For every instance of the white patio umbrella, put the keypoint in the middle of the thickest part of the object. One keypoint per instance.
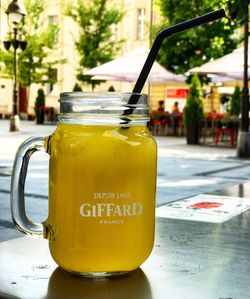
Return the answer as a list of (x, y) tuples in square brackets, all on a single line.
[(128, 67), (231, 65), (222, 78)]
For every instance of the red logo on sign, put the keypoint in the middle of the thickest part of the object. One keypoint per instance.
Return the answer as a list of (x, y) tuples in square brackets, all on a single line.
[(206, 205), (177, 93)]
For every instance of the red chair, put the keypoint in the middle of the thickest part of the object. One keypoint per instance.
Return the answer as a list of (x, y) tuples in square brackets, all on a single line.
[(224, 130)]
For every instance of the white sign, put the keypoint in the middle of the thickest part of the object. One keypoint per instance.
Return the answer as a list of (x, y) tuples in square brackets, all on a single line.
[(205, 207)]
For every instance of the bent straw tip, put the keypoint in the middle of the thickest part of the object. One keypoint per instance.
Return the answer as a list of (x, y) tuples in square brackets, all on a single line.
[(200, 20), (220, 12)]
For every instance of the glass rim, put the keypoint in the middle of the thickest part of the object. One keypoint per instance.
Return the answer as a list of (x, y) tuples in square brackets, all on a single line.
[(98, 94), (103, 107)]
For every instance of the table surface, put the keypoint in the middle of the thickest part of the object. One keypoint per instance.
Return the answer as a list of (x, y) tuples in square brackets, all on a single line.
[(190, 260)]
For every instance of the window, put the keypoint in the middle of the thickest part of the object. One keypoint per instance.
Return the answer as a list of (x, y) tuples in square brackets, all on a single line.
[(141, 17), (53, 19), (52, 75), (114, 30)]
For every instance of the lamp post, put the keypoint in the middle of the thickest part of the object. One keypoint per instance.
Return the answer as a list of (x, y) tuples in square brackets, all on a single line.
[(243, 146), (15, 12)]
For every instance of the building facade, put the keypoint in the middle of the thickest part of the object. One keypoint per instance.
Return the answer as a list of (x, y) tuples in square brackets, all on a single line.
[(134, 29)]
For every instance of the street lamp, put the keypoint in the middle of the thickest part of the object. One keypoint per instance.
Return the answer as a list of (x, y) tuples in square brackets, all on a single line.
[(15, 12), (243, 146)]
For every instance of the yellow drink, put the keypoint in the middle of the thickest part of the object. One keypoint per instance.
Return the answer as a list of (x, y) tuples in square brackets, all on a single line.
[(101, 197)]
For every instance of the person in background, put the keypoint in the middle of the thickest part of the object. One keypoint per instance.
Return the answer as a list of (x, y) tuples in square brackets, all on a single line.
[(161, 106), (111, 88), (176, 118), (175, 108)]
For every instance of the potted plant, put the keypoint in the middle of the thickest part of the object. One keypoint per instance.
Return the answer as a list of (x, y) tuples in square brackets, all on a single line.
[(235, 102), (231, 118), (193, 111), (39, 106)]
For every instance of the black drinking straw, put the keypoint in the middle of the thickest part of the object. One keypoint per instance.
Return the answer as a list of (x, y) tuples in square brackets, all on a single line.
[(209, 17)]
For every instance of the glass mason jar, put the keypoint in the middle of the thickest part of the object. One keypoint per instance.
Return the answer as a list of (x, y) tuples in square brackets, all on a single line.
[(102, 183)]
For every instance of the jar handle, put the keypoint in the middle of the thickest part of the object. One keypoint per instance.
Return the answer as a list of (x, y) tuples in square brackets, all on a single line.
[(17, 198)]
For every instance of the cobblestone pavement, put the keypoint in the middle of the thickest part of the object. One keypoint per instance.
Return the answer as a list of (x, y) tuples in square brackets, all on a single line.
[(183, 171)]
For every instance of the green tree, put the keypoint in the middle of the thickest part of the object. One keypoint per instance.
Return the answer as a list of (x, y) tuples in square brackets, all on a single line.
[(34, 63), (235, 101), (196, 46), (236, 10), (193, 110), (39, 105), (96, 44)]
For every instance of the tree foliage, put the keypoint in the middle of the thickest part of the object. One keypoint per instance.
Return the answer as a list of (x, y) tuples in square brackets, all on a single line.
[(96, 43), (40, 100), (236, 10), (235, 101), (193, 110), (39, 105), (34, 63), (196, 46)]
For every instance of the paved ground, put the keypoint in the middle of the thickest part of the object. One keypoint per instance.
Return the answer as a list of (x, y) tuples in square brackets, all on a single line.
[(182, 171)]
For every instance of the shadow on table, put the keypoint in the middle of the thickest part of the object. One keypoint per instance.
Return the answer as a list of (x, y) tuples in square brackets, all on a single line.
[(65, 285)]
